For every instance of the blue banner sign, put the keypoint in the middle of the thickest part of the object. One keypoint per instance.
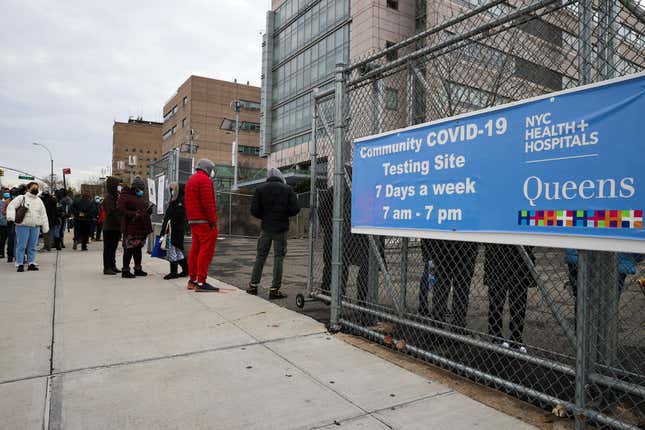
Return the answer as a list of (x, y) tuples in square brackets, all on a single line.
[(566, 170)]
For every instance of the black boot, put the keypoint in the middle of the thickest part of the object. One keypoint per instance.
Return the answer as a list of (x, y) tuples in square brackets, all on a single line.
[(184, 268), (127, 274), (139, 272), (173, 271)]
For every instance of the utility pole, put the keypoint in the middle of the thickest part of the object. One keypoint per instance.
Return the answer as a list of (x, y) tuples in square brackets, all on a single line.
[(51, 159), (191, 148), (235, 143)]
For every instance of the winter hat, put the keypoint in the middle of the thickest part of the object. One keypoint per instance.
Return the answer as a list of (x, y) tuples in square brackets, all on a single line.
[(205, 165), (276, 173), (138, 183)]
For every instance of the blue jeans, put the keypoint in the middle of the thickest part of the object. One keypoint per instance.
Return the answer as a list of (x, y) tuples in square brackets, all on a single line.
[(26, 241)]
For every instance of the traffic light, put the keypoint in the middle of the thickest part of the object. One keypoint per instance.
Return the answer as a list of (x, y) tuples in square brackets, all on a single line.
[(1, 172)]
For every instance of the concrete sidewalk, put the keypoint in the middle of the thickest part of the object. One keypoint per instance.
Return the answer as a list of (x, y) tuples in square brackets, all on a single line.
[(82, 350)]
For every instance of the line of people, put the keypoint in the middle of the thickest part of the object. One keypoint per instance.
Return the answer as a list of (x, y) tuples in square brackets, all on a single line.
[(127, 220), (123, 215), (27, 214)]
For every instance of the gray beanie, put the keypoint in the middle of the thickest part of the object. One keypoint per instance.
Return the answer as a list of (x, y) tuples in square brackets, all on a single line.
[(276, 173), (206, 165), (138, 183)]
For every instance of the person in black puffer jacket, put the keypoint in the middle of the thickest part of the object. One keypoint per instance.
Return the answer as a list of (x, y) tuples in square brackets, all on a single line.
[(50, 207), (84, 211), (111, 225), (175, 217), (273, 203)]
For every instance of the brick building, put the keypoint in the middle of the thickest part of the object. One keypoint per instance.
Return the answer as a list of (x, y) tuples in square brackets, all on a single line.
[(139, 138), (206, 107)]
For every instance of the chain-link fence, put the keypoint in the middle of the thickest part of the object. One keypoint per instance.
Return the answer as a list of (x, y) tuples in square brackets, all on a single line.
[(234, 216), (563, 329), (173, 168)]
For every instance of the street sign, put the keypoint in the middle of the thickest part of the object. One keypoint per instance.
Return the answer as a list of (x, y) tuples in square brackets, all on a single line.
[(67, 171), (27, 177), (562, 170)]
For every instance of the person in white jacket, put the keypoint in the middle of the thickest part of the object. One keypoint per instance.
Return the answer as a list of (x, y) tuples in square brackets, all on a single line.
[(28, 230)]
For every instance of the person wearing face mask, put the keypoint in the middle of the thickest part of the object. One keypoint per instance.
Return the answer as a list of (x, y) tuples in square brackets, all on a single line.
[(5, 199), (135, 226), (111, 225), (174, 220), (84, 211), (50, 207), (11, 227), (98, 221), (28, 229), (201, 211)]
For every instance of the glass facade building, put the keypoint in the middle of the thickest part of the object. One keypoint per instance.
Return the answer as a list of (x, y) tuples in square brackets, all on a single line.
[(305, 39)]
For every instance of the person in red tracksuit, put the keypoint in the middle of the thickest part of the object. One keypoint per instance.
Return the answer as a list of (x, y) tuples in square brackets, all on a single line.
[(201, 212)]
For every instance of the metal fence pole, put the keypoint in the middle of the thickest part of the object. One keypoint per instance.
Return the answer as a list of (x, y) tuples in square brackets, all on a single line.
[(584, 41), (607, 38), (583, 320), (405, 242), (312, 194), (339, 188), (583, 340), (373, 265)]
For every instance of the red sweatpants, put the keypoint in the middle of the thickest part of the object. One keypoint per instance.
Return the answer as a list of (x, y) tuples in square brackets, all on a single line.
[(201, 251)]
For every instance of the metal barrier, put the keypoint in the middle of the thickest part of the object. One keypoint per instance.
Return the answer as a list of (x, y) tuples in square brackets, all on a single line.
[(576, 329)]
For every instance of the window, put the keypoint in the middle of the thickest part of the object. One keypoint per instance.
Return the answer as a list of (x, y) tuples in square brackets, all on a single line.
[(229, 124), (148, 151), (391, 98), (185, 100), (543, 30), (126, 149), (538, 74), (250, 150), (183, 125), (391, 56), (141, 151), (474, 97), (245, 104), (170, 113), (393, 4)]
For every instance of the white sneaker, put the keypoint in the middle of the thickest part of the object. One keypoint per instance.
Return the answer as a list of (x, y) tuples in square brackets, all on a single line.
[(505, 345), (522, 350)]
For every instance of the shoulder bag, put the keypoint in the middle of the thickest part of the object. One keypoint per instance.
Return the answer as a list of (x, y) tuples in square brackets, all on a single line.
[(21, 212)]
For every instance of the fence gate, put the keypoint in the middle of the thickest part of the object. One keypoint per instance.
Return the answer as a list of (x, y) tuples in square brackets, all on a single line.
[(552, 327)]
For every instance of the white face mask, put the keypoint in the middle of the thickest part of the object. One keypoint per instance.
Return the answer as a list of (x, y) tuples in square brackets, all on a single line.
[(119, 188)]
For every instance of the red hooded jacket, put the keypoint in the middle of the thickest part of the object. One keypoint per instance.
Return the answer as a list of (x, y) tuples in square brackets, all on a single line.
[(199, 199)]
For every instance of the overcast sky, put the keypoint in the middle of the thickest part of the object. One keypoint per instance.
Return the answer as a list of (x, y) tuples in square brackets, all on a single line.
[(69, 68)]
